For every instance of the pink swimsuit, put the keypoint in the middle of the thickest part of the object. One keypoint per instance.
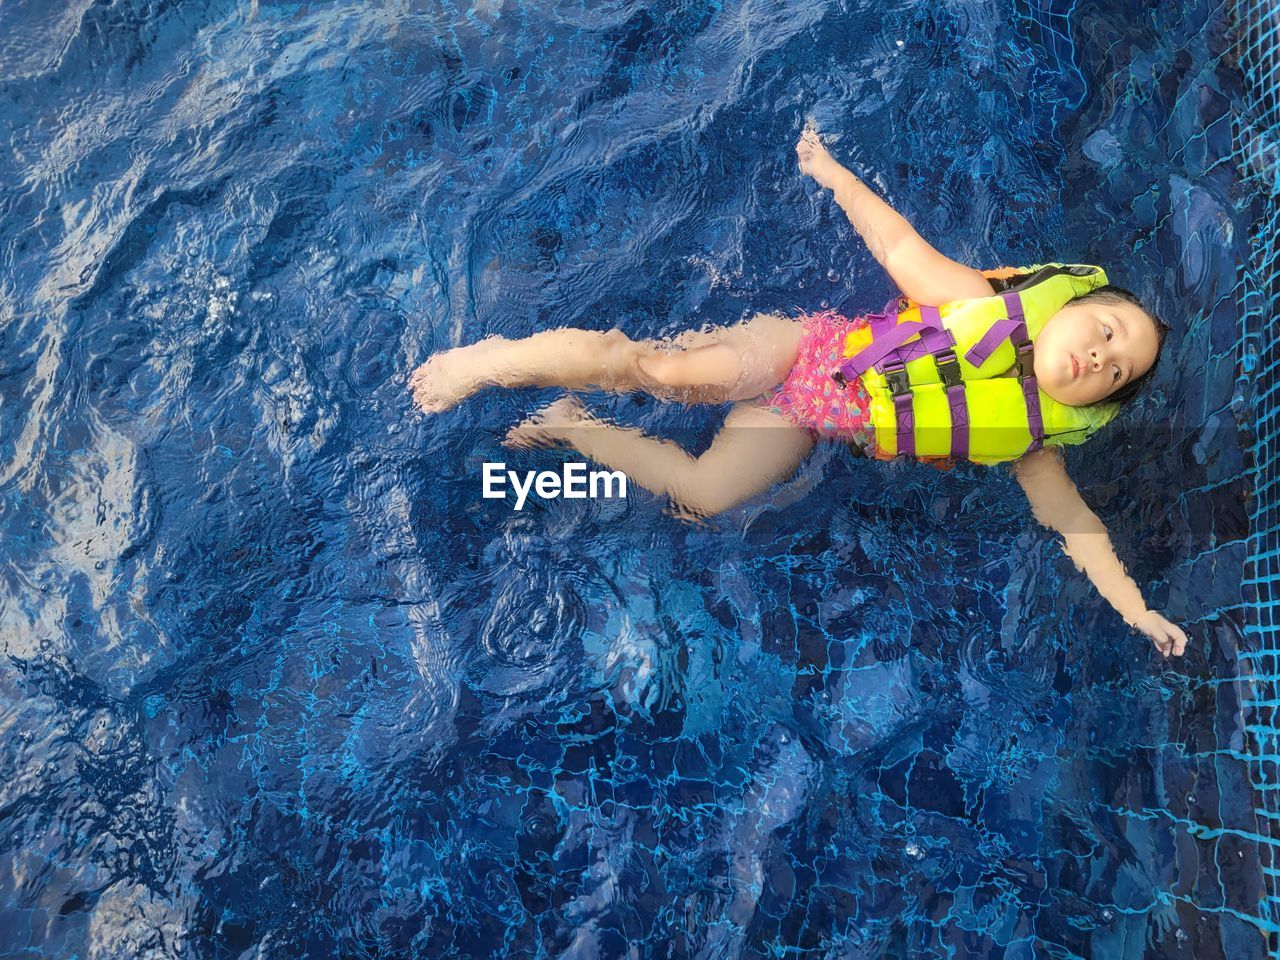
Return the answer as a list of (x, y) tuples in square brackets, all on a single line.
[(810, 398)]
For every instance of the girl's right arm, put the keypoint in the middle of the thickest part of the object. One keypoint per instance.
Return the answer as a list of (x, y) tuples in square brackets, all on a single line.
[(920, 271)]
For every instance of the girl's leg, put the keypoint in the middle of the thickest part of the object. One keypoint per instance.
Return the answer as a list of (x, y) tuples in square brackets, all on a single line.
[(713, 366), (754, 450), (722, 365)]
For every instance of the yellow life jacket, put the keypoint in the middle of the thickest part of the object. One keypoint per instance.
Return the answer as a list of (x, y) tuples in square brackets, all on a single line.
[(934, 373)]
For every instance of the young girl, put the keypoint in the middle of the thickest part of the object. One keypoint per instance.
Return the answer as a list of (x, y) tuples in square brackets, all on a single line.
[(956, 381)]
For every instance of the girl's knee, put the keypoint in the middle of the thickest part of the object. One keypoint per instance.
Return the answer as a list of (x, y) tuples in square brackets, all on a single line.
[(659, 366), (615, 339), (705, 489), (612, 348), (713, 365), (621, 357)]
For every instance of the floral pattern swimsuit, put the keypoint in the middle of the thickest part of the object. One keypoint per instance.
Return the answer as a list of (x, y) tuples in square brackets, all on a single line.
[(811, 399)]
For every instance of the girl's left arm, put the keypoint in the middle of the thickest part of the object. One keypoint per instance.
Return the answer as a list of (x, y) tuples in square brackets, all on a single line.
[(1056, 503), (921, 272)]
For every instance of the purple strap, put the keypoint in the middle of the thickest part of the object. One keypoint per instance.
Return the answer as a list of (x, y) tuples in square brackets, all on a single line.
[(1013, 306), (959, 421), (933, 337), (1031, 393), (883, 321), (1000, 331), (937, 340), (956, 398), (905, 414), (930, 342), (879, 348)]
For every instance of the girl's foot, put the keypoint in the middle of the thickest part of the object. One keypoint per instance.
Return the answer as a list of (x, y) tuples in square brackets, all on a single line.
[(815, 160), (552, 424), (448, 378)]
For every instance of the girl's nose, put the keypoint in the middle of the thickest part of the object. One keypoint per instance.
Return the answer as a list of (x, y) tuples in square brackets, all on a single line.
[(1093, 356)]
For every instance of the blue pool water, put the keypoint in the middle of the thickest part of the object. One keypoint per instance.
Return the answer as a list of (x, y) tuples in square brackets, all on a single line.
[(278, 683)]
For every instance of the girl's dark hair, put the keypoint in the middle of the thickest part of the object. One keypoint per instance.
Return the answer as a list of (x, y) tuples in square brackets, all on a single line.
[(1113, 294)]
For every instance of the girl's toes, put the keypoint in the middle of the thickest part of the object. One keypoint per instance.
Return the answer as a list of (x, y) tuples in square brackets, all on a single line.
[(547, 426), (528, 434), (515, 434), (565, 411), (520, 439), (444, 381), (428, 401)]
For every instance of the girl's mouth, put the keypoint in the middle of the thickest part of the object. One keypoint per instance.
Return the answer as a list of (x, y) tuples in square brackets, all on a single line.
[(1075, 367)]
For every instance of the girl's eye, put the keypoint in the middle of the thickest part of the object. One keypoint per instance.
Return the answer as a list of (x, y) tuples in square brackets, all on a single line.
[(1117, 376), (1108, 329)]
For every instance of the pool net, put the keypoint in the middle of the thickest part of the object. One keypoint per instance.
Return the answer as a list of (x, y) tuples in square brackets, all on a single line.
[(1254, 136)]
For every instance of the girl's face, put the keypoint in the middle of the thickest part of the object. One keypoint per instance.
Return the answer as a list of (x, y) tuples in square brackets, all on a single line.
[(1086, 351)]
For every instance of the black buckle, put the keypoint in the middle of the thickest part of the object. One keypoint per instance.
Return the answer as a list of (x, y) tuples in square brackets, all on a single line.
[(1026, 359), (897, 379), (838, 377), (948, 367)]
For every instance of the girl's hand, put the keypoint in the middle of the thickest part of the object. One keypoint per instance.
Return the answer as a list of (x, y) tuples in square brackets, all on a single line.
[(814, 158), (1167, 637)]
